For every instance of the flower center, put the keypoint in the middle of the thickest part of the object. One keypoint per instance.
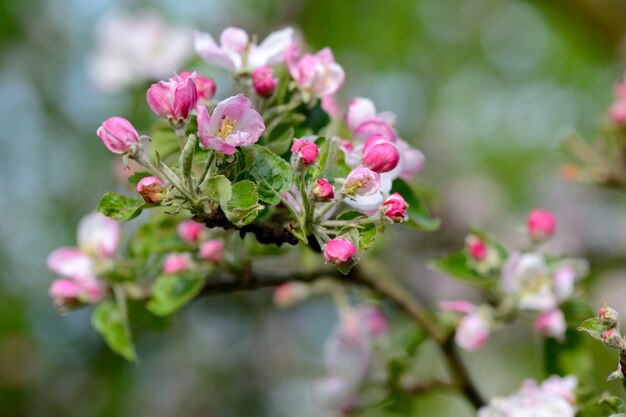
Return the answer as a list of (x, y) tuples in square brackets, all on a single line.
[(226, 128)]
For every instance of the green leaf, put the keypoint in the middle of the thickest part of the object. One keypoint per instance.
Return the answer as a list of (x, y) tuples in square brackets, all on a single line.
[(139, 315), (571, 356), (456, 264), (272, 174), (156, 236), (419, 218), (137, 176), (243, 207), (121, 208), (108, 320), (171, 292), (280, 138), (594, 327), (218, 189)]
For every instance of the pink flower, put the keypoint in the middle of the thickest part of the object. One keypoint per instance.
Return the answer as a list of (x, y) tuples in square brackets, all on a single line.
[(472, 332), (305, 151), (331, 106), (541, 224), (263, 81), (457, 306), (379, 154), (551, 323), (233, 123), (236, 52), (564, 282), (363, 121), (212, 250), (339, 251), (394, 208), (476, 247), (151, 189), (620, 89), (412, 160), (174, 99), (190, 231), (368, 318), (176, 262), (323, 190), (318, 75), (205, 86), (362, 181), (617, 112), (119, 136), (68, 291), (290, 293)]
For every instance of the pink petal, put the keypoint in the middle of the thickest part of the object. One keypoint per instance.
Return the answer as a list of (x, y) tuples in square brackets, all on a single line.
[(98, 235), (70, 262)]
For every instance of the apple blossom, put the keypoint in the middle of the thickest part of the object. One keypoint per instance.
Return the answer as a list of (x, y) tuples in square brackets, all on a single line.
[(305, 151), (176, 262), (119, 136), (363, 121), (88, 290), (236, 53), (233, 123), (617, 112), (205, 86), (412, 160), (190, 231), (379, 154), (476, 247), (322, 190), (551, 323), (361, 181), (394, 208), (212, 250), (151, 189), (315, 74), (173, 100), (541, 224), (263, 81), (290, 293), (472, 332), (339, 251)]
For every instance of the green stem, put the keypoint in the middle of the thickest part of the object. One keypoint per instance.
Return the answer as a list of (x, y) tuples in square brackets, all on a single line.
[(205, 170)]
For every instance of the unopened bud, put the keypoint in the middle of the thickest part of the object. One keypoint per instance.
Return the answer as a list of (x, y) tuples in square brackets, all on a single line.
[(151, 189), (608, 316), (394, 208), (613, 339), (211, 251), (339, 251), (263, 81), (322, 190), (541, 225), (476, 247), (304, 151)]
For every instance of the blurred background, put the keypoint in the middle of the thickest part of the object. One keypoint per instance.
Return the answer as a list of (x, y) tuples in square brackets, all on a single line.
[(486, 88)]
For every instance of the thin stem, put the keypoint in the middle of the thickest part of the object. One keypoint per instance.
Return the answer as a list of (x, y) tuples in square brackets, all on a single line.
[(306, 203), (207, 167)]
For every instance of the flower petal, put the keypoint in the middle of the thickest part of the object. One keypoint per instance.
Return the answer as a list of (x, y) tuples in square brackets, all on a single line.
[(98, 235), (70, 262)]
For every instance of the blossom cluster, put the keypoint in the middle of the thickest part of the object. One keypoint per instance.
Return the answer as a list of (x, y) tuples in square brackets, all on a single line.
[(526, 282)]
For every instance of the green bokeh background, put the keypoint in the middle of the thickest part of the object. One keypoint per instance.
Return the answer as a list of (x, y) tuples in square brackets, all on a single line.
[(486, 88)]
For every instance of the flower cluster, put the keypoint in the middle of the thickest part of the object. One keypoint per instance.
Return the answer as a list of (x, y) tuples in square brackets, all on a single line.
[(528, 282)]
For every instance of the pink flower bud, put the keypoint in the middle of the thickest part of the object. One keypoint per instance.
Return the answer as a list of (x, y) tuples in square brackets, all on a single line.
[(472, 332), (617, 112), (205, 86), (190, 231), (476, 247), (305, 151), (151, 189), (339, 251), (608, 316), (263, 81), (394, 208), (174, 99), (362, 181), (211, 250), (323, 191), (541, 224), (613, 339), (379, 154), (457, 306), (551, 323), (176, 262), (290, 293), (119, 136)]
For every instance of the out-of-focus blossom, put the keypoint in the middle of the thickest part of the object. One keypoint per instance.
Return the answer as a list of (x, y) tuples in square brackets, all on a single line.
[(379, 154), (190, 231), (290, 293), (363, 121), (394, 208), (473, 329), (362, 181), (131, 49), (366, 318), (608, 316), (476, 247), (263, 81), (119, 136), (151, 189), (205, 86), (322, 190), (176, 262), (555, 397), (233, 123), (173, 100), (331, 106), (339, 251), (316, 74), (212, 250), (305, 151), (551, 323), (235, 52), (541, 224), (98, 238), (412, 160), (617, 113)]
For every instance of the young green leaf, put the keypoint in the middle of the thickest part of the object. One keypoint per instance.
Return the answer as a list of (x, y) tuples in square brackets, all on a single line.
[(419, 218), (171, 292), (107, 319), (218, 189), (121, 208), (456, 264), (272, 174), (594, 327), (243, 206)]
